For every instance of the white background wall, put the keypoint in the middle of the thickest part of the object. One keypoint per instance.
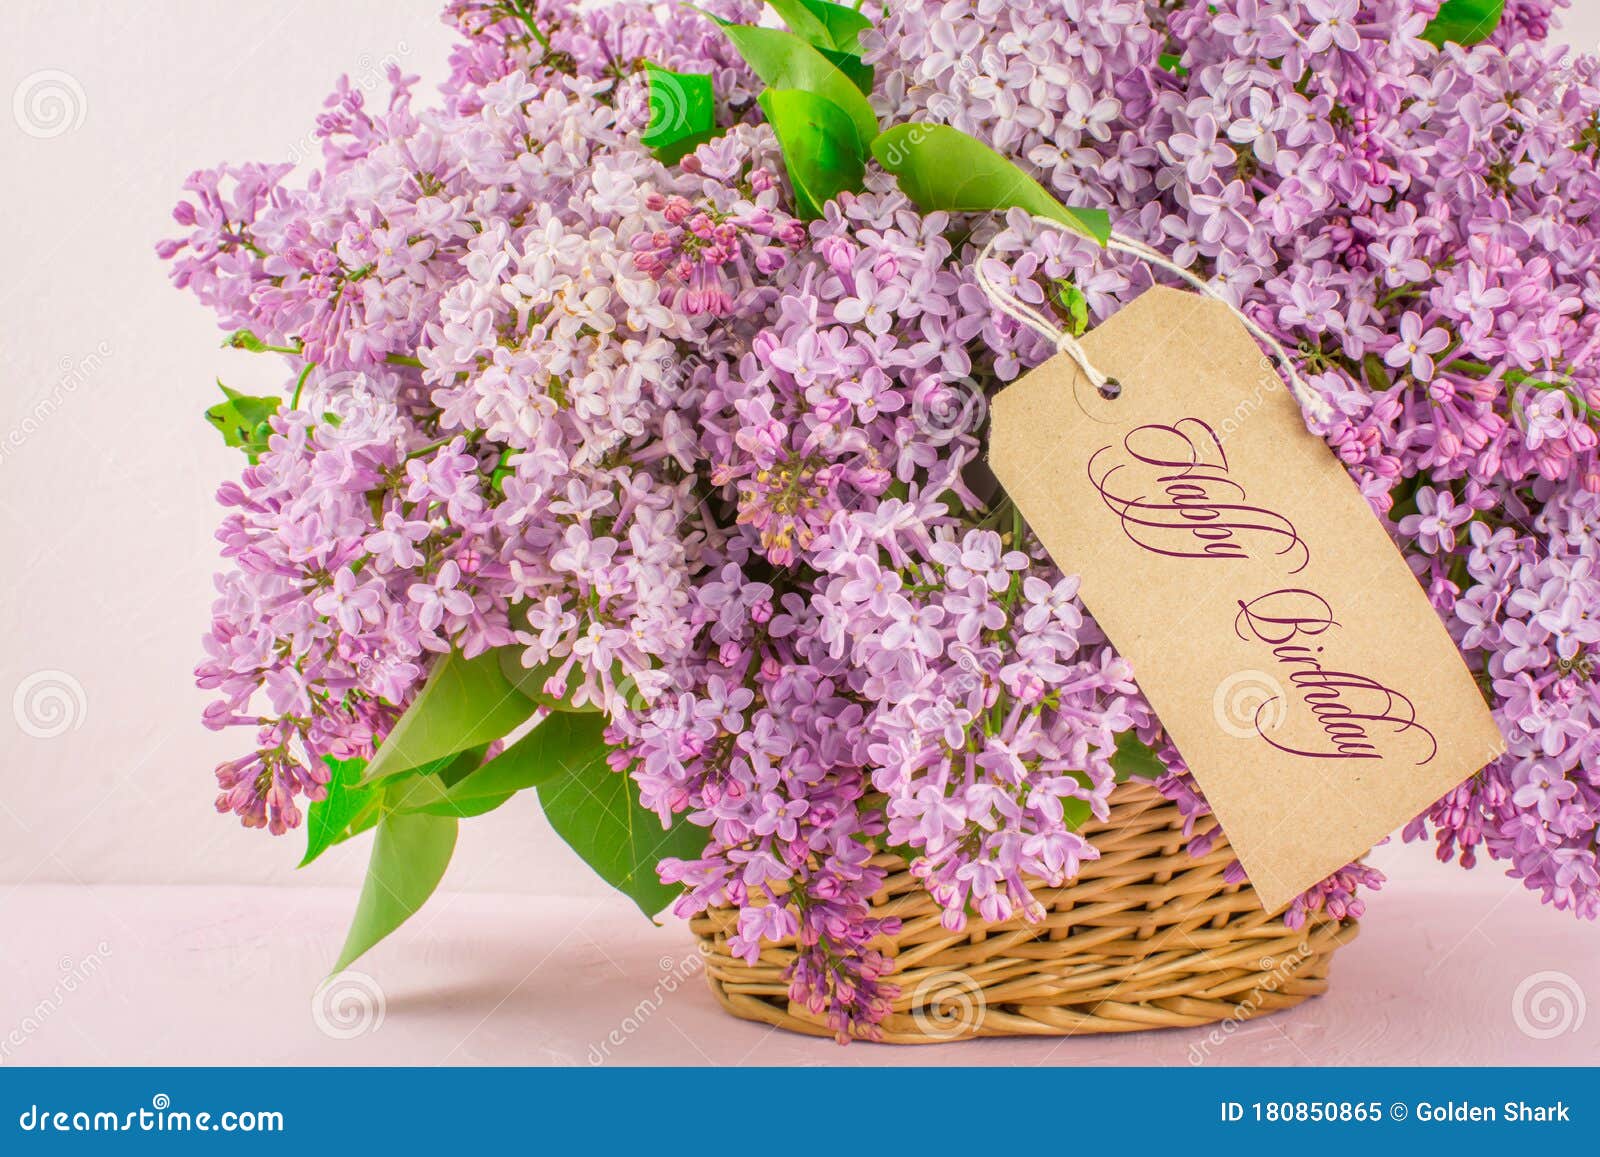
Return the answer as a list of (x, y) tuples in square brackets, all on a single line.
[(106, 471)]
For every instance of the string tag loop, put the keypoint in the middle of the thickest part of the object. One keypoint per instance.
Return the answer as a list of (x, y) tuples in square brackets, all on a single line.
[(1020, 311)]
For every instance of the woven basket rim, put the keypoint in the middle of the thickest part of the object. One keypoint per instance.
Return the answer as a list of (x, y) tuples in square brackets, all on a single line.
[(1146, 936)]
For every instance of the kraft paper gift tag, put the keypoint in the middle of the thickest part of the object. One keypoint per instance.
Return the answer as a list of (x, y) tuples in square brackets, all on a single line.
[(1272, 624)]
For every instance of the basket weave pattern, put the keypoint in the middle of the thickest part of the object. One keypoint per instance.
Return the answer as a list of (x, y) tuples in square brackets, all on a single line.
[(1146, 936)]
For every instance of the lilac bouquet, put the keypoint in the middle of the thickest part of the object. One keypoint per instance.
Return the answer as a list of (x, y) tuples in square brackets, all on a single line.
[(631, 441)]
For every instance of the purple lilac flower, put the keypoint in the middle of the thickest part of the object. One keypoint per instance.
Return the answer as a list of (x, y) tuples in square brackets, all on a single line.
[(716, 470)]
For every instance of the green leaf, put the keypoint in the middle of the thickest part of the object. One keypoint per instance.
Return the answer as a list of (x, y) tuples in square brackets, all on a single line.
[(675, 152), (834, 31), (552, 749), (819, 146), (420, 790), (328, 820), (1376, 372), (531, 681), (783, 61), (1465, 22), (453, 768), (849, 63), (682, 106), (803, 22), (1076, 306), (404, 792), (905, 851), (409, 857), (844, 25), (371, 812), (502, 470), (430, 795), (243, 420), (465, 703), (463, 765), (939, 167), (1134, 760), (597, 811)]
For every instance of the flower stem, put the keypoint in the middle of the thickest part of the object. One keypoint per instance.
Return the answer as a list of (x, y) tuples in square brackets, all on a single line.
[(526, 17), (294, 402)]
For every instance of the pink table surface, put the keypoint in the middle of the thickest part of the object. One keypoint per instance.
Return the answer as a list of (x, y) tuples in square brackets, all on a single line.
[(1476, 974)]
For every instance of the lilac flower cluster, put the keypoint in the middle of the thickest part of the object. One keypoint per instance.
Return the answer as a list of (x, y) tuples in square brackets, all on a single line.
[(719, 472), (1417, 226)]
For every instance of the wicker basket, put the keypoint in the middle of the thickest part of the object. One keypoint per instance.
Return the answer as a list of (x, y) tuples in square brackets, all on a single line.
[(1146, 937)]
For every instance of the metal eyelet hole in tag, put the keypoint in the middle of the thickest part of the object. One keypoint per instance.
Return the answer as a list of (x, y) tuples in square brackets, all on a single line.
[(1091, 399)]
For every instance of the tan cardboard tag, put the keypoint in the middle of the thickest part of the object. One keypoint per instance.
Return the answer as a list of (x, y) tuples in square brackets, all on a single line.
[(1275, 628)]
